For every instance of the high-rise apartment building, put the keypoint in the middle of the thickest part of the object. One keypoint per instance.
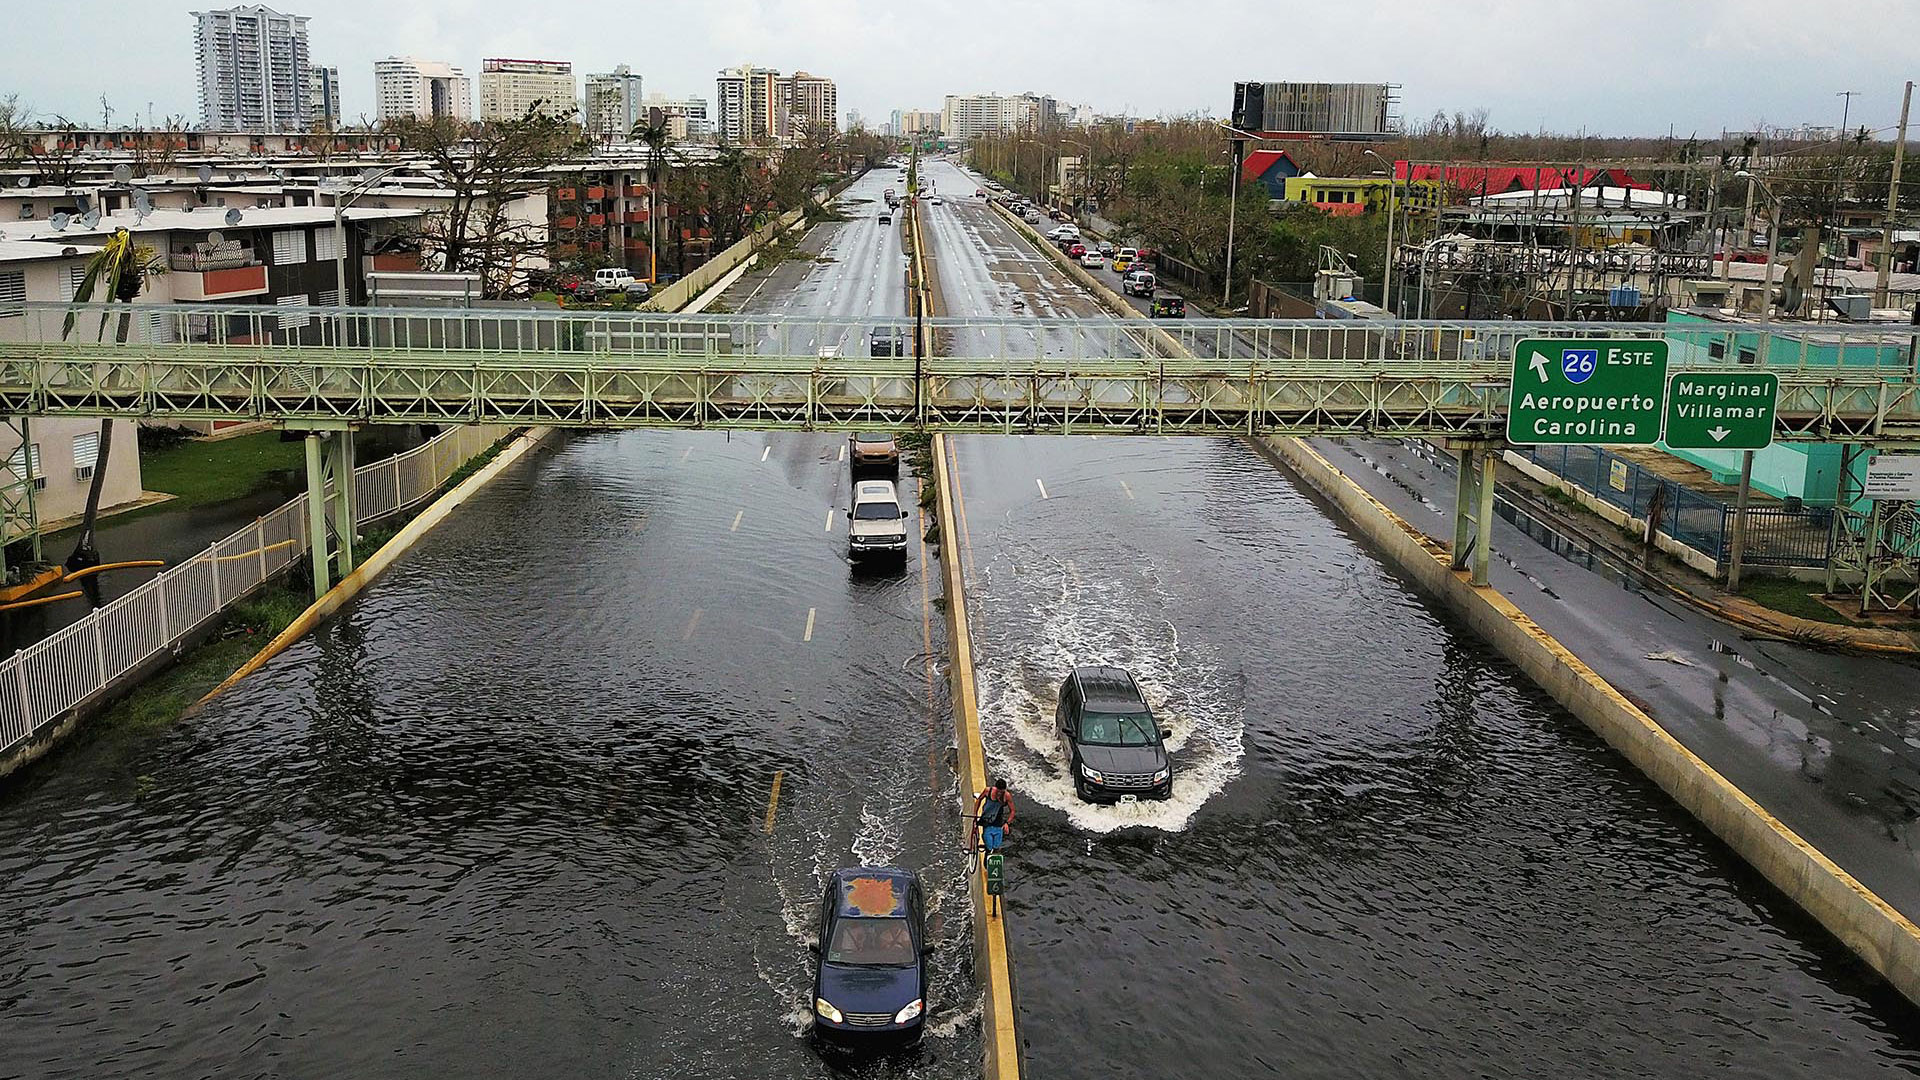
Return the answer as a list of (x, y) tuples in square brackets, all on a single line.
[(424, 89), (750, 105), (509, 88), (686, 118), (967, 115), (613, 102), (323, 95), (813, 106), (253, 69), (906, 122)]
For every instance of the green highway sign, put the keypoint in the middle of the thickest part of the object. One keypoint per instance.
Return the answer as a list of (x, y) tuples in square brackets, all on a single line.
[(1602, 391), (1721, 410)]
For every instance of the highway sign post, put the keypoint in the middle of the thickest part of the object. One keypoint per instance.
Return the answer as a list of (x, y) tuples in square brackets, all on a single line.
[(1721, 410), (1591, 391)]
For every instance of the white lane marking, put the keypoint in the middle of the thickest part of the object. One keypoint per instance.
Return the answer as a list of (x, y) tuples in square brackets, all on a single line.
[(685, 456), (843, 451), (743, 513), (829, 527), (1042, 487), (692, 624), (764, 453), (1125, 488), (808, 636)]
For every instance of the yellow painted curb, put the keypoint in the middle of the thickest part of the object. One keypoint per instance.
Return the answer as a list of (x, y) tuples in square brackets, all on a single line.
[(999, 1045), (378, 563), (1867, 925)]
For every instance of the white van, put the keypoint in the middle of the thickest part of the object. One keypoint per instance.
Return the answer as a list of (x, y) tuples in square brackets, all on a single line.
[(613, 277), (877, 526)]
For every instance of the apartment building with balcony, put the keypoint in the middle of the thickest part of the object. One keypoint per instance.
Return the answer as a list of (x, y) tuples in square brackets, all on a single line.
[(612, 103), (686, 117), (509, 88), (323, 96), (405, 86), (750, 105), (812, 106), (253, 69)]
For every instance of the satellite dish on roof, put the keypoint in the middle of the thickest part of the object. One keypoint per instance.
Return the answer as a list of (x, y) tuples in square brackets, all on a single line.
[(60, 221), (205, 173), (367, 174), (142, 202), (91, 218), (216, 238), (233, 216), (122, 174), (25, 181)]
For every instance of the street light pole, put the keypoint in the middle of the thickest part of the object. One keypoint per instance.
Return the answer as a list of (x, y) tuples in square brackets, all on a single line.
[(340, 203), (1386, 275), (1893, 202), (1737, 548)]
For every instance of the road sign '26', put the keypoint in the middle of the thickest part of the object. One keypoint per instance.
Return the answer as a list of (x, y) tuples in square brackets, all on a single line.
[(1588, 391)]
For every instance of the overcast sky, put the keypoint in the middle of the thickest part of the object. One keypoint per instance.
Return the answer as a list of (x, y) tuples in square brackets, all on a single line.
[(1611, 67)]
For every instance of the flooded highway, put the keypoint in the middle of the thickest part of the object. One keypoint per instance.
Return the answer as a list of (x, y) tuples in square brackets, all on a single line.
[(513, 813), (1388, 853), (559, 795)]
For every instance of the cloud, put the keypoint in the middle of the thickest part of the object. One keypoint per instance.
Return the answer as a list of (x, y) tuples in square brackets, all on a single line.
[(1626, 66)]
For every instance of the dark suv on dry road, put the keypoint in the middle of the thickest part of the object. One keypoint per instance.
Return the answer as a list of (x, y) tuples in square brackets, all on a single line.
[(1115, 748)]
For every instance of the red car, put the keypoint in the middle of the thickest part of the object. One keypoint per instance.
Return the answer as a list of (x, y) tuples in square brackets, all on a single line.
[(1076, 250)]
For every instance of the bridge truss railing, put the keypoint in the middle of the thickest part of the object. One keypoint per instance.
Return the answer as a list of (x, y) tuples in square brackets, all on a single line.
[(605, 369), (44, 682)]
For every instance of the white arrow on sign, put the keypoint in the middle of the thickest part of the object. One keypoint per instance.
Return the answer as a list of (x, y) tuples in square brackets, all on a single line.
[(1718, 433), (1539, 366)]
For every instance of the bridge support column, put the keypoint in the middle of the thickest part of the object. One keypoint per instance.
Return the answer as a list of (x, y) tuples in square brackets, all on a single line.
[(1473, 509), (330, 504)]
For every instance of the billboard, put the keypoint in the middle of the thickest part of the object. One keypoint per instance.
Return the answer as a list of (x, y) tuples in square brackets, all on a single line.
[(1302, 110)]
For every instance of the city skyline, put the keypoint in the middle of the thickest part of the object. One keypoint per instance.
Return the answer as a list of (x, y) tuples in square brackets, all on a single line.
[(1703, 76)]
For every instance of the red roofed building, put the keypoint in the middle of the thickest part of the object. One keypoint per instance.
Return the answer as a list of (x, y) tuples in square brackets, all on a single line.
[(1473, 180)]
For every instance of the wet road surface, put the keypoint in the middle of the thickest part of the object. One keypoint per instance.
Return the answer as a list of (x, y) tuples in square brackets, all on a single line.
[(511, 813), (1827, 742), (1388, 854)]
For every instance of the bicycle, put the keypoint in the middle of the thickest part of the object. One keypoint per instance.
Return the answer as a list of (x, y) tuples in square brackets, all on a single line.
[(984, 854)]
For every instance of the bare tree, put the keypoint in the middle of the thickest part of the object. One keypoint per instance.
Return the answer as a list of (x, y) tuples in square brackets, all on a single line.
[(488, 167)]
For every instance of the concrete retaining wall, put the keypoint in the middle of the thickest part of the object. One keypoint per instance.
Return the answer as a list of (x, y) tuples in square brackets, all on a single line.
[(1693, 557), (681, 293), (1888, 941), (1156, 341), (1000, 1047)]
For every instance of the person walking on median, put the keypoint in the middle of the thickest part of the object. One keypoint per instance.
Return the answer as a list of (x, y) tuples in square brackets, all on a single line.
[(992, 815)]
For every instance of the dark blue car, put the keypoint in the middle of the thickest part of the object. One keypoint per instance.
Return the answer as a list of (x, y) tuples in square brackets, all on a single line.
[(870, 975)]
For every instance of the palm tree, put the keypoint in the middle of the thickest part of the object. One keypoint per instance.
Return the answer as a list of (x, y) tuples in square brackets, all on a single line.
[(123, 267), (656, 136)]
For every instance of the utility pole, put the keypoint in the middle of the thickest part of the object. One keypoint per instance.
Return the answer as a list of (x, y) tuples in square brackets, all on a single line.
[(1893, 202), (1233, 208), (1846, 110), (1746, 231)]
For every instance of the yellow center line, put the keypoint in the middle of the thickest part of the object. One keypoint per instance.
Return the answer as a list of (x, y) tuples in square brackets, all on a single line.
[(692, 624), (808, 636), (773, 801), (736, 521)]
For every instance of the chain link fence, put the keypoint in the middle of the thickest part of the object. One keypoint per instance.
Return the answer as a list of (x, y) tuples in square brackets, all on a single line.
[(1782, 536), (50, 678)]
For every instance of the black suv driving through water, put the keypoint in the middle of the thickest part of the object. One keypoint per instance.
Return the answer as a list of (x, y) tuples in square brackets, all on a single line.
[(1114, 746)]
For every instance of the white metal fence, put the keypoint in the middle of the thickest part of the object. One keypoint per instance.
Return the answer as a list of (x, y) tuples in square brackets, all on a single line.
[(44, 681)]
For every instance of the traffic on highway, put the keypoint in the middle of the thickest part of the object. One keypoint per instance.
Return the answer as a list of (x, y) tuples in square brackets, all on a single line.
[(645, 764)]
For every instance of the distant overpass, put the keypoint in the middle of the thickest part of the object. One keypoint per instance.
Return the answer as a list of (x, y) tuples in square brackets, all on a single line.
[(328, 367)]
